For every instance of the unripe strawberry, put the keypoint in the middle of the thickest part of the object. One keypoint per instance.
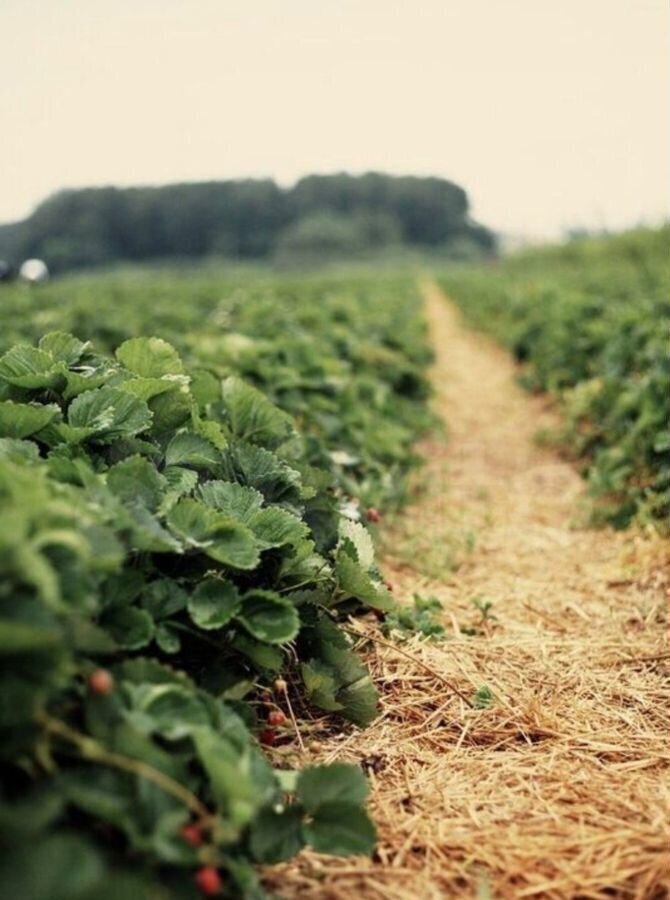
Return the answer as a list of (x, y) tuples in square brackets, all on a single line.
[(191, 834), (267, 737), (100, 681), (280, 686), (208, 881), (276, 717), (373, 515)]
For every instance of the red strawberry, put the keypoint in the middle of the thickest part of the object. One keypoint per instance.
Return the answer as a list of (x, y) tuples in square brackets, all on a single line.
[(208, 881), (268, 737), (276, 717), (373, 515), (191, 834), (100, 681)]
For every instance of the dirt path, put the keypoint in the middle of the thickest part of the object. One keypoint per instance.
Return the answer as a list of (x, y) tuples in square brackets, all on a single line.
[(559, 788)]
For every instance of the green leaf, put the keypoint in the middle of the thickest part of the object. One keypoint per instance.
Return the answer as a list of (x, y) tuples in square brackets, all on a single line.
[(276, 527), (483, 698), (359, 701), (108, 414), (234, 782), (28, 367), (213, 603), (341, 829), (264, 656), (170, 411), (149, 357), (260, 469), (131, 628), (216, 535), (276, 835), (147, 388), (167, 638), (321, 685), (361, 540), (252, 416), (269, 617), (18, 451), (353, 581), (63, 347), (173, 711), (188, 449), (235, 500), (20, 420), (163, 598), (135, 479), (336, 783)]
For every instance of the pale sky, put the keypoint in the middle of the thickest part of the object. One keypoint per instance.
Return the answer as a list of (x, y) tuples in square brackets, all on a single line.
[(549, 112)]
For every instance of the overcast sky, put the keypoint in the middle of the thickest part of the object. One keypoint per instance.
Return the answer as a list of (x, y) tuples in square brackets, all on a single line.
[(549, 112)]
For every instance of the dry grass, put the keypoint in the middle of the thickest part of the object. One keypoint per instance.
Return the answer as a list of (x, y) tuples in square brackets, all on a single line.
[(560, 788)]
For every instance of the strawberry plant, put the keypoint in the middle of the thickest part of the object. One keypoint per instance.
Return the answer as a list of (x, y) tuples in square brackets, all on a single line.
[(169, 550)]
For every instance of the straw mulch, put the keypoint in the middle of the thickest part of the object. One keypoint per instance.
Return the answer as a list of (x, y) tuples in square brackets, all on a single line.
[(560, 788)]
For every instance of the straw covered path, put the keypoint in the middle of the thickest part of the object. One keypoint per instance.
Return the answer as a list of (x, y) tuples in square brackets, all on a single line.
[(560, 787)]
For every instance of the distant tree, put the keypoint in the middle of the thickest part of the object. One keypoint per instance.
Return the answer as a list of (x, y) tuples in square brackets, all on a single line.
[(319, 237), (244, 219)]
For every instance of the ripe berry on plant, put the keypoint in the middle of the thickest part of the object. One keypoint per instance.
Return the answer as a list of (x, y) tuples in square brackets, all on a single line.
[(267, 737), (100, 681), (191, 834), (208, 881), (276, 717), (373, 515)]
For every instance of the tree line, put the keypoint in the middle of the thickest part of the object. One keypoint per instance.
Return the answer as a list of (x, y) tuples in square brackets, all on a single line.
[(250, 219)]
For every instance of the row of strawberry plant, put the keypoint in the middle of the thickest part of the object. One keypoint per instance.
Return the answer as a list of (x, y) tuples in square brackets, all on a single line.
[(345, 355), (586, 321), (177, 557)]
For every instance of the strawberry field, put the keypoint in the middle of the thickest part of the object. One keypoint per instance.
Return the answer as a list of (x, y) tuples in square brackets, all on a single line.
[(194, 465), (182, 535), (588, 323)]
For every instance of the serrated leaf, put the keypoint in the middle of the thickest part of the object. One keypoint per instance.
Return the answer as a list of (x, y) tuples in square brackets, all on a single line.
[(361, 540), (20, 420), (276, 527), (130, 627), (135, 479), (213, 603), (63, 347), (269, 617), (353, 581), (341, 829), (108, 414), (163, 598), (216, 535), (19, 451), (252, 416), (335, 783), (258, 468), (188, 449), (28, 367), (265, 656), (146, 388), (149, 357), (277, 835), (167, 638), (359, 701), (235, 500)]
